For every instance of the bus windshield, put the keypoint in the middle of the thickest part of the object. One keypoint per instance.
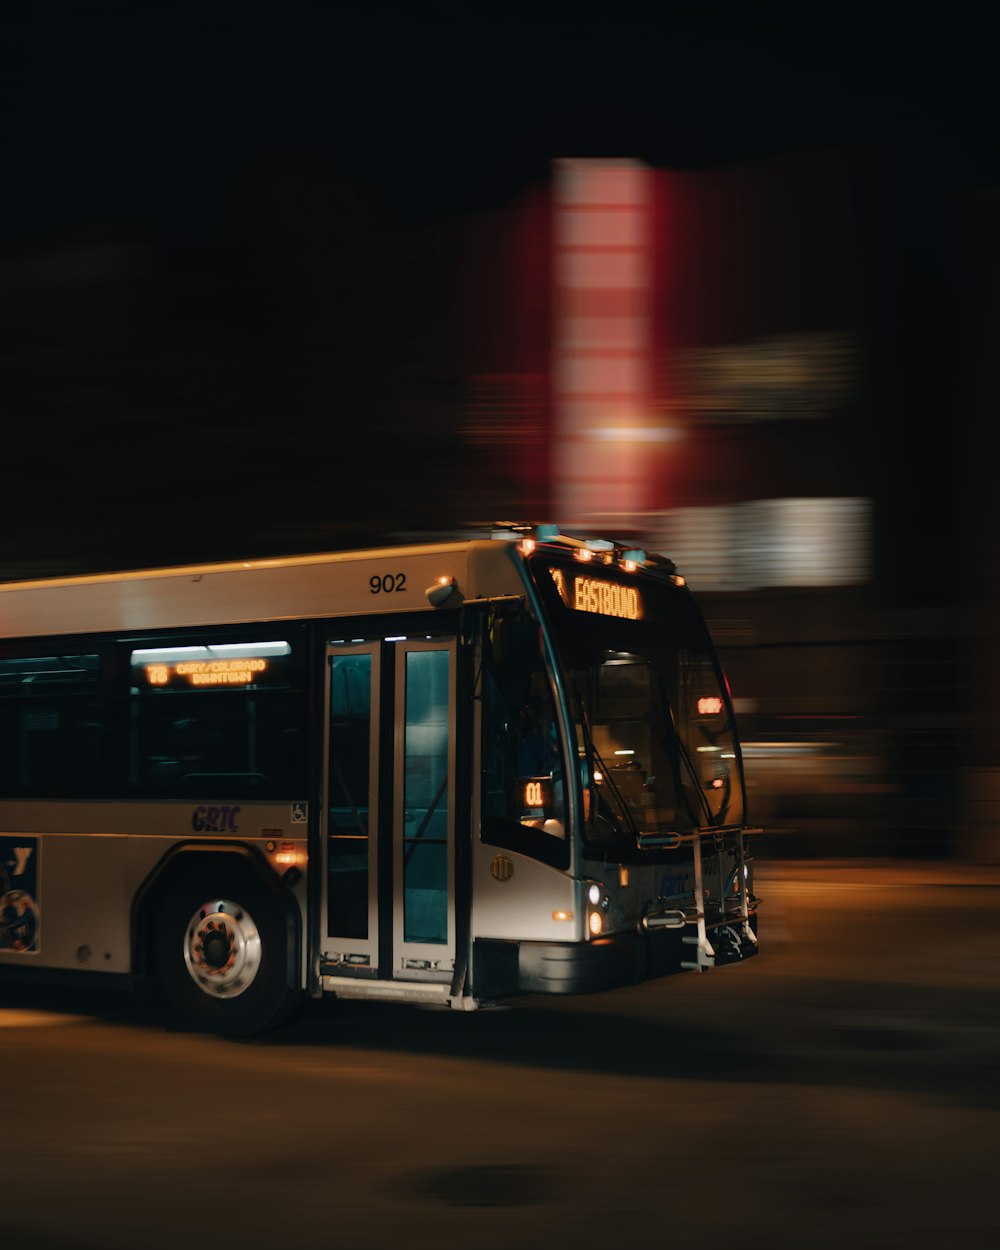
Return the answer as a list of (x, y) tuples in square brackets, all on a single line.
[(655, 738)]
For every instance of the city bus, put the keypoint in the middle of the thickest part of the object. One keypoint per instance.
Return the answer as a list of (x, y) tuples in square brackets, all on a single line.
[(449, 773)]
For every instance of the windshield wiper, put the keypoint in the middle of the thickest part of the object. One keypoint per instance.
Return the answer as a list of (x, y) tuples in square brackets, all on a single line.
[(623, 806), (594, 755), (682, 753)]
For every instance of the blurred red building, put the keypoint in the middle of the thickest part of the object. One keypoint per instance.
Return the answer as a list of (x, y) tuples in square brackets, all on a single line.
[(709, 363)]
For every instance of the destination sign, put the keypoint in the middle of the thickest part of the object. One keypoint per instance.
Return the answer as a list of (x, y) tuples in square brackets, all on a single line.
[(212, 667), (209, 672), (585, 593), (537, 792)]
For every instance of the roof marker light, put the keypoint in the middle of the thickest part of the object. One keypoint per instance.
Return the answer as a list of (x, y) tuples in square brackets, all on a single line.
[(678, 580), (526, 546)]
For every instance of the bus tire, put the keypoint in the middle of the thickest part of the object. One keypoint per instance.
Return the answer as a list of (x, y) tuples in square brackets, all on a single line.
[(221, 952)]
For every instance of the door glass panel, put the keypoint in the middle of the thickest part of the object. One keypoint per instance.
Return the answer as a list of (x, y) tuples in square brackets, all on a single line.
[(350, 780), (425, 798)]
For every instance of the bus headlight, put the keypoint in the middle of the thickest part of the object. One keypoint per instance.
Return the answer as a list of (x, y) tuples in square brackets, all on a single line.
[(598, 905)]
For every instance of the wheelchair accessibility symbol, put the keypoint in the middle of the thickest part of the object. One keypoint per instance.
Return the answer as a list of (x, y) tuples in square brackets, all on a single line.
[(300, 813)]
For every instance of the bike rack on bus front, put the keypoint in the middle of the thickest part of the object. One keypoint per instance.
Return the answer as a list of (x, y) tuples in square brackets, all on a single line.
[(676, 918)]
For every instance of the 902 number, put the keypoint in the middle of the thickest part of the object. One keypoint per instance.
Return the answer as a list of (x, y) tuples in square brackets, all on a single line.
[(388, 583)]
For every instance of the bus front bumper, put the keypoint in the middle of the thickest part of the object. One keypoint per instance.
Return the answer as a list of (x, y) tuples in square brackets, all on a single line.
[(501, 969)]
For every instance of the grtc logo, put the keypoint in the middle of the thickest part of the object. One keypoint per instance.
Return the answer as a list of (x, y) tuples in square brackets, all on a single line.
[(214, 820)]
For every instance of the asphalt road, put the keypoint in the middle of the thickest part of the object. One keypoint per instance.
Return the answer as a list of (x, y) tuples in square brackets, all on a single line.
[(844, 1087)]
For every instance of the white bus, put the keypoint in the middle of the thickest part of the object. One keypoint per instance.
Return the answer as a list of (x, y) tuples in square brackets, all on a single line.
[(450, 773)]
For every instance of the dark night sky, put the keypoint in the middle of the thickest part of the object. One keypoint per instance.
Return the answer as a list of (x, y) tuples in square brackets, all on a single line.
[(149, 112), (228, 231)]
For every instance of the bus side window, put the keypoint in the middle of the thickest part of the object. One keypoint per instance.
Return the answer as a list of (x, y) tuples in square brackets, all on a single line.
[(217, 718), (51, 724)]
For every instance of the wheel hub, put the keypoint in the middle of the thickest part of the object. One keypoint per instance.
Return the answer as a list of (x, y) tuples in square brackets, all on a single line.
[(222, 948), (215, 946)]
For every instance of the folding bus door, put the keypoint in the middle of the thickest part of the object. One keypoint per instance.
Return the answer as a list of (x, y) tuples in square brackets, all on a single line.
[(388, 894), (423, 833), (351, 811)]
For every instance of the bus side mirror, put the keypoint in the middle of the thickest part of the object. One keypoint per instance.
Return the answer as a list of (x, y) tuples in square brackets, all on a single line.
[(439, 592)]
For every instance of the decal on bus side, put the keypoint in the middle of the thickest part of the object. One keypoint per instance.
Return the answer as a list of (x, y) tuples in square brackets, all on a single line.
[(675, 883), (20, 917), (214, 820)]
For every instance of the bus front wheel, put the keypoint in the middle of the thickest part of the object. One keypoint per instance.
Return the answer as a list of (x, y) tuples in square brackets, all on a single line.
[(221, 953)]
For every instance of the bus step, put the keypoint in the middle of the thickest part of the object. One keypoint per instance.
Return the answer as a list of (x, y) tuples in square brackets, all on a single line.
[(391, 991)]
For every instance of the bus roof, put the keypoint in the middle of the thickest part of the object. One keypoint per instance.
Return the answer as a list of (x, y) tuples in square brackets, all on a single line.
[(361, 582)]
